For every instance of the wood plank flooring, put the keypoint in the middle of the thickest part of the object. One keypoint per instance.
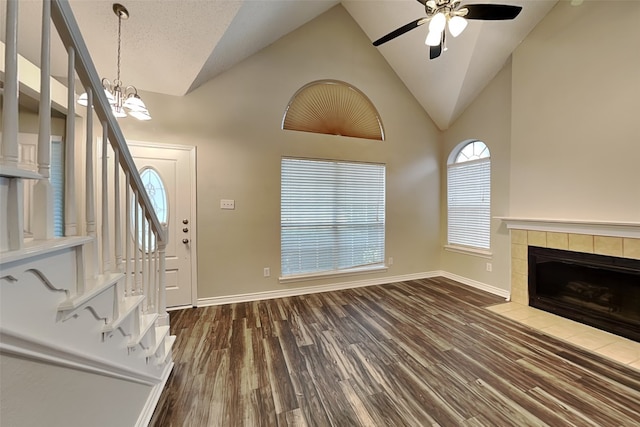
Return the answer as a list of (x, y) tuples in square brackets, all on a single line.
[(418, 353)]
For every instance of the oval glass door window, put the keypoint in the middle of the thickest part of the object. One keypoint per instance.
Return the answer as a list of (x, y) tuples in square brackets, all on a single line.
[(159, 201)]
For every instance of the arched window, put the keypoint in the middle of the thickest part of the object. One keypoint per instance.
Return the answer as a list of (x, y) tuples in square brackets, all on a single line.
[(469, 196), (333, 107), (157, 193)]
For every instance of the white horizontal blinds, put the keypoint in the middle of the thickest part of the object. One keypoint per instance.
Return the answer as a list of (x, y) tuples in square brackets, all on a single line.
[(56, 175), (332, 215), (469, 203)]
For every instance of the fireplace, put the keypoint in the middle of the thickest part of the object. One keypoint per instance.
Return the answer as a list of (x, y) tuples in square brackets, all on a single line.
[(597, 290)]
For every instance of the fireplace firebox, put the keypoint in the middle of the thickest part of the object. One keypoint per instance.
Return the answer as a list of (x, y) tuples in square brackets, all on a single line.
[(597, 290)]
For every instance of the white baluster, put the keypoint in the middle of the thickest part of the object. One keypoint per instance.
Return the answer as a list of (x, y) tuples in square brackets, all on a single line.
[(162, 291), (43, 191), (92, 257), (143, 255), (106, 250), (9, 144), (12, 189), (127, 237), (70, 221), (152, 275), (136, 247), (116, 211)]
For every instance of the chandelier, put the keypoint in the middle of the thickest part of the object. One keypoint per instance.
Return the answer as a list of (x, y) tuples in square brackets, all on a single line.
[(124, 100)]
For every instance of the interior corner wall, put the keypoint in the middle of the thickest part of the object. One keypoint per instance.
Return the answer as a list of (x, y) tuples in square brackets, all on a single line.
[(235, 120), (487, 119), (576, 131)]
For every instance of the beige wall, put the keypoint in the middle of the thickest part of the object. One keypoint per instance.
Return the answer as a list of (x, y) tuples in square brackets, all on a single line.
[(234, 121), (576, 103), (488, 119)]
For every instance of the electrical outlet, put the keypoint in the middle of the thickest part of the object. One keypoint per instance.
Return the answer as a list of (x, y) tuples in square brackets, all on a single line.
[(227, 204), (390, 261), (489, 267), (267, 272)]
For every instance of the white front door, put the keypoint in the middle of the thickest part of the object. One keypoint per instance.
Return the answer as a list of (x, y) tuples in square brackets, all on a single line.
[(176, 167)]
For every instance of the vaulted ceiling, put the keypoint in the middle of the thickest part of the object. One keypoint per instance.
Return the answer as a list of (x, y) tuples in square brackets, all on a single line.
[(172, 47)]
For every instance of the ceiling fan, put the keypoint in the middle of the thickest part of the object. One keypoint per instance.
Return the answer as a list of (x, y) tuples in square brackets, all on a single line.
[(448, 13)]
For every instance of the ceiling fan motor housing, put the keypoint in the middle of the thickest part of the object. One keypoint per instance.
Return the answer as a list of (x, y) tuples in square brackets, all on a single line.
[(447, 7)]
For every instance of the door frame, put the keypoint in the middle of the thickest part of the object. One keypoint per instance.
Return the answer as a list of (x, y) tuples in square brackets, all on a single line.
[(193, 224)]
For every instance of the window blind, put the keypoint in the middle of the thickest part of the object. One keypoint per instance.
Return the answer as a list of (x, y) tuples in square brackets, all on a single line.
[(332, 215), (469, 203), (56, 176)]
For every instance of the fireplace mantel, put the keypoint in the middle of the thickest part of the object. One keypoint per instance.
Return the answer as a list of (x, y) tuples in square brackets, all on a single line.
[(597, 228)]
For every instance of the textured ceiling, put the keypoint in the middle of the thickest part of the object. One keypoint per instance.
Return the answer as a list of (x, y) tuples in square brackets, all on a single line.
[(172, 47)]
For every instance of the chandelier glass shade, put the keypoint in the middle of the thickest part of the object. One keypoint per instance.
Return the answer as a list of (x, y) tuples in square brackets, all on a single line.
[(124, 100), (448, 17), (456, 25)]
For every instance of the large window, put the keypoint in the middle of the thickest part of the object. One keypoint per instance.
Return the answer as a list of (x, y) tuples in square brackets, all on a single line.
[(469, 196), (332, 216)]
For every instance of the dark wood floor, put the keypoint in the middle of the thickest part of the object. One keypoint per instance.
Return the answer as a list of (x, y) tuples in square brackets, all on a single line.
[(418, 353)]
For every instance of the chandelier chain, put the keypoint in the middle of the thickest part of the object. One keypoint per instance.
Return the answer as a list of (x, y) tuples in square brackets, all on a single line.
[(119, 38)]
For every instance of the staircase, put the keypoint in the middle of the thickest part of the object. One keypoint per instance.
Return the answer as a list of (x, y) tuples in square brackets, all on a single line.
[(84, 332)]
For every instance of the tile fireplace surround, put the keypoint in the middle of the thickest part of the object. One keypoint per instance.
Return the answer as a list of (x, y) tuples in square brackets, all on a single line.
[(603, 238)]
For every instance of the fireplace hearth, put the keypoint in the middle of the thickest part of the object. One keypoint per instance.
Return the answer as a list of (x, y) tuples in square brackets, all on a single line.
[(597, 290)]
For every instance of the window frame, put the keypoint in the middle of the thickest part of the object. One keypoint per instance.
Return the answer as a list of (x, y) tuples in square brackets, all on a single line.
[(452, 161)]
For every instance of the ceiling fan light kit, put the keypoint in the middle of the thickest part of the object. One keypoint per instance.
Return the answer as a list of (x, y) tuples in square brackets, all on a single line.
[(447, 14), (457, 24), (124, 100)]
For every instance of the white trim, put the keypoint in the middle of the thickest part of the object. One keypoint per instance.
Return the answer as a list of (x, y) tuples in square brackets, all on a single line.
[(42, 247), (483, 253), (283, 293), (378, 268), (597, 228), (178, 307), (34, 349), (154, 397), (478, 285)]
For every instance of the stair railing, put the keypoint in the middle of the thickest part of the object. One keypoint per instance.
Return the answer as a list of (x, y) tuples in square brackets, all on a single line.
[(138, 251)]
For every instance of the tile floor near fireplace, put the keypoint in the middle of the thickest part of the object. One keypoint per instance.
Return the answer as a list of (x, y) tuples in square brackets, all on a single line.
[(603, 343)]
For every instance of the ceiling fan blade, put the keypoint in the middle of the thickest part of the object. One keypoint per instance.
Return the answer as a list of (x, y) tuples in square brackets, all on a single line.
[(435, 51), (492, 12), (400, 31)]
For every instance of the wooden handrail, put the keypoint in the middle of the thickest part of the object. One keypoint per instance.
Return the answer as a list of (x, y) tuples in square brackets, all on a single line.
[(69, 32)]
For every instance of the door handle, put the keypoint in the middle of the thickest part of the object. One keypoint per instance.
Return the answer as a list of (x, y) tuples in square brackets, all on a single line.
[(185, 241)]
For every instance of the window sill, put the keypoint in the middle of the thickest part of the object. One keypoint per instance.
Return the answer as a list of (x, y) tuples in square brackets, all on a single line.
[(482, 253), (330, 274)]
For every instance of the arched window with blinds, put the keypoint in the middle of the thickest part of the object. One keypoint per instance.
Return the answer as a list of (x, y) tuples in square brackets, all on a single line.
[(333, 107), (469, 196)]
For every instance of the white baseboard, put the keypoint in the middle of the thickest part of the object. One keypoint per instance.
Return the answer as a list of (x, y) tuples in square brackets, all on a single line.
[(283, 293), (154, 397), (478, 285)]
